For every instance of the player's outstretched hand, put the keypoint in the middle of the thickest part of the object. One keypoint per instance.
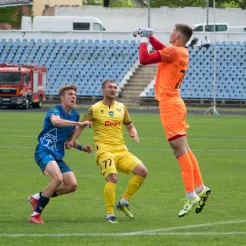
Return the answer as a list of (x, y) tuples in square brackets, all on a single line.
[(134, 135), (69, 145), (143, 32), (135, 32), (85, 124), (87, 148)]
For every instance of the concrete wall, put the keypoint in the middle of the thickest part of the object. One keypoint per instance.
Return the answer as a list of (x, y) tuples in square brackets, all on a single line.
[(161, 19), (39, 5)]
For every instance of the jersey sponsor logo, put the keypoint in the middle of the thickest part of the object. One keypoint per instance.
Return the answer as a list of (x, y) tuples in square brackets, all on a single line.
[(111, 113), (111, 123), (102, 111), (119, 109), (54, 110)]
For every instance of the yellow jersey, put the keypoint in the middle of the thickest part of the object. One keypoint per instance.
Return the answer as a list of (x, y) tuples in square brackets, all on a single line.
[(107, 124)]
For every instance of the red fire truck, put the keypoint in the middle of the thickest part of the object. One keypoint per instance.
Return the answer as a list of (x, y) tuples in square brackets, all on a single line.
[(22, 85)]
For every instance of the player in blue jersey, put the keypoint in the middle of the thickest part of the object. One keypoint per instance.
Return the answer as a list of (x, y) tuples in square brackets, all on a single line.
[(59, 123)]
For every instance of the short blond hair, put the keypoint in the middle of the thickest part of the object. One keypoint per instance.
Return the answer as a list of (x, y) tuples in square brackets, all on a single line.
[(66, 88)]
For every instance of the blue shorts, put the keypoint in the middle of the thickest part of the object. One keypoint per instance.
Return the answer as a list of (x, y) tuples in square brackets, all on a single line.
[(43, 158)]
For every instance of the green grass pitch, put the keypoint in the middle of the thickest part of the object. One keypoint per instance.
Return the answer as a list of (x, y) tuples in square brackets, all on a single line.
[(219, 142)]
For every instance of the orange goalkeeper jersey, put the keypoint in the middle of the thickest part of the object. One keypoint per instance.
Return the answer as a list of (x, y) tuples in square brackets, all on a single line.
[(171, 72)]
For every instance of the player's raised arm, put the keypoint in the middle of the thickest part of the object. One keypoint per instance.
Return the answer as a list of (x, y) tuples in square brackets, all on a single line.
[(156, 44), (86, 121), (144, 57), (58, 122), (148, 33)]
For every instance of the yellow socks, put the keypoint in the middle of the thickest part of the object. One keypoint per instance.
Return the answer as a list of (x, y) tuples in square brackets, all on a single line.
[(109, 195), (133, 185)]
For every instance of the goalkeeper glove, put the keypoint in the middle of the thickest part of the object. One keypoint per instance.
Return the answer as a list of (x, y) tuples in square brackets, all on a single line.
[(143, 32)]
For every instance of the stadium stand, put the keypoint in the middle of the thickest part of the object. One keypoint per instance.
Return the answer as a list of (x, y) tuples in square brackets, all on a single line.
[(230, 73), (83, 63), (87, 63)]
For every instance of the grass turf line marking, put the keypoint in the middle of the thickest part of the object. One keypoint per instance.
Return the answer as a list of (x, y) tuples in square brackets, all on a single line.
[(157, 150), (234, 139), (157, 232)]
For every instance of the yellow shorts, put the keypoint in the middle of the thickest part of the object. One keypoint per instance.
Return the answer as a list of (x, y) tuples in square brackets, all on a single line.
[(173, 118), (123, 161)]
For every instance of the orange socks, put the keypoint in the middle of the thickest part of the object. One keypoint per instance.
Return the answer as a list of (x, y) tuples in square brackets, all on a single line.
[(190, 170), (196, 170), (187, 172)]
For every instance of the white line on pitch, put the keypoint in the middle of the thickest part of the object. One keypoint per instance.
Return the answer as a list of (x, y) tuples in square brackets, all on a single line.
[(197, 226), (235, 139), (125, 234), (153, 150), (194, 233), (137, 233)]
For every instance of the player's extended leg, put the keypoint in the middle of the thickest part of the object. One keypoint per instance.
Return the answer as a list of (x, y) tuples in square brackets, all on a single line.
[(106, 161), (51, 170), (179, 146), (134, 184), (109, 195), (128, 163), (202, 191), (69, 185)]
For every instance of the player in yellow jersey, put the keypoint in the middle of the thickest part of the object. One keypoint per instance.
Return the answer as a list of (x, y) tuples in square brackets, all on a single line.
[(107, 117)]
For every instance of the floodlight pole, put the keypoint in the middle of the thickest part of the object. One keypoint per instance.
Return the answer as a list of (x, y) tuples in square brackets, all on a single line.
[(212, 109), (207, 12), (148, 13)]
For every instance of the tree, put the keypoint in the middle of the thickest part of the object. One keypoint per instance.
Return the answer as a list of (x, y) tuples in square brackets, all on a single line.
[(106, 3), (121, 3), (178, 3), (175, 3), (199, 3)]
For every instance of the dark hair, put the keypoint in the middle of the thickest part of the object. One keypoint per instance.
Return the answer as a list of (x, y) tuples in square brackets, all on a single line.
[(106, 81), (66, 88), (185, 30)]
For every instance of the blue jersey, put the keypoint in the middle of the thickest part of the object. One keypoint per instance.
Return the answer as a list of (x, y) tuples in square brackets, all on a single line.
[(52, 139)]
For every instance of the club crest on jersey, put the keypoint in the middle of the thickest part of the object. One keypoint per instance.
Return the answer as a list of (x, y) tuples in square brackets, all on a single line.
[(111, 113)]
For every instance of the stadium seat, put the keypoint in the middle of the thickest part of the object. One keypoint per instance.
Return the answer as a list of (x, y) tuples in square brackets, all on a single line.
[(230, 74), (91, 61)]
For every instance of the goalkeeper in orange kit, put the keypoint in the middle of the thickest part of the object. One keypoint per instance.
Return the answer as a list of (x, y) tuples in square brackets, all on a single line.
[(172, 66)]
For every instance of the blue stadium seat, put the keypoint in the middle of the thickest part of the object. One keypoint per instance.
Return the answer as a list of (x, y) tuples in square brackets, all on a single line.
[(83, 62)]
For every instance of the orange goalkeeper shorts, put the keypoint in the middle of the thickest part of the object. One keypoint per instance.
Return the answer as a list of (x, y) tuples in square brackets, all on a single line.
[(173, 119)]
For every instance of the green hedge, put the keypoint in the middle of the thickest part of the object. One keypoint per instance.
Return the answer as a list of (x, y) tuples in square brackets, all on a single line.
[(12, 15)]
